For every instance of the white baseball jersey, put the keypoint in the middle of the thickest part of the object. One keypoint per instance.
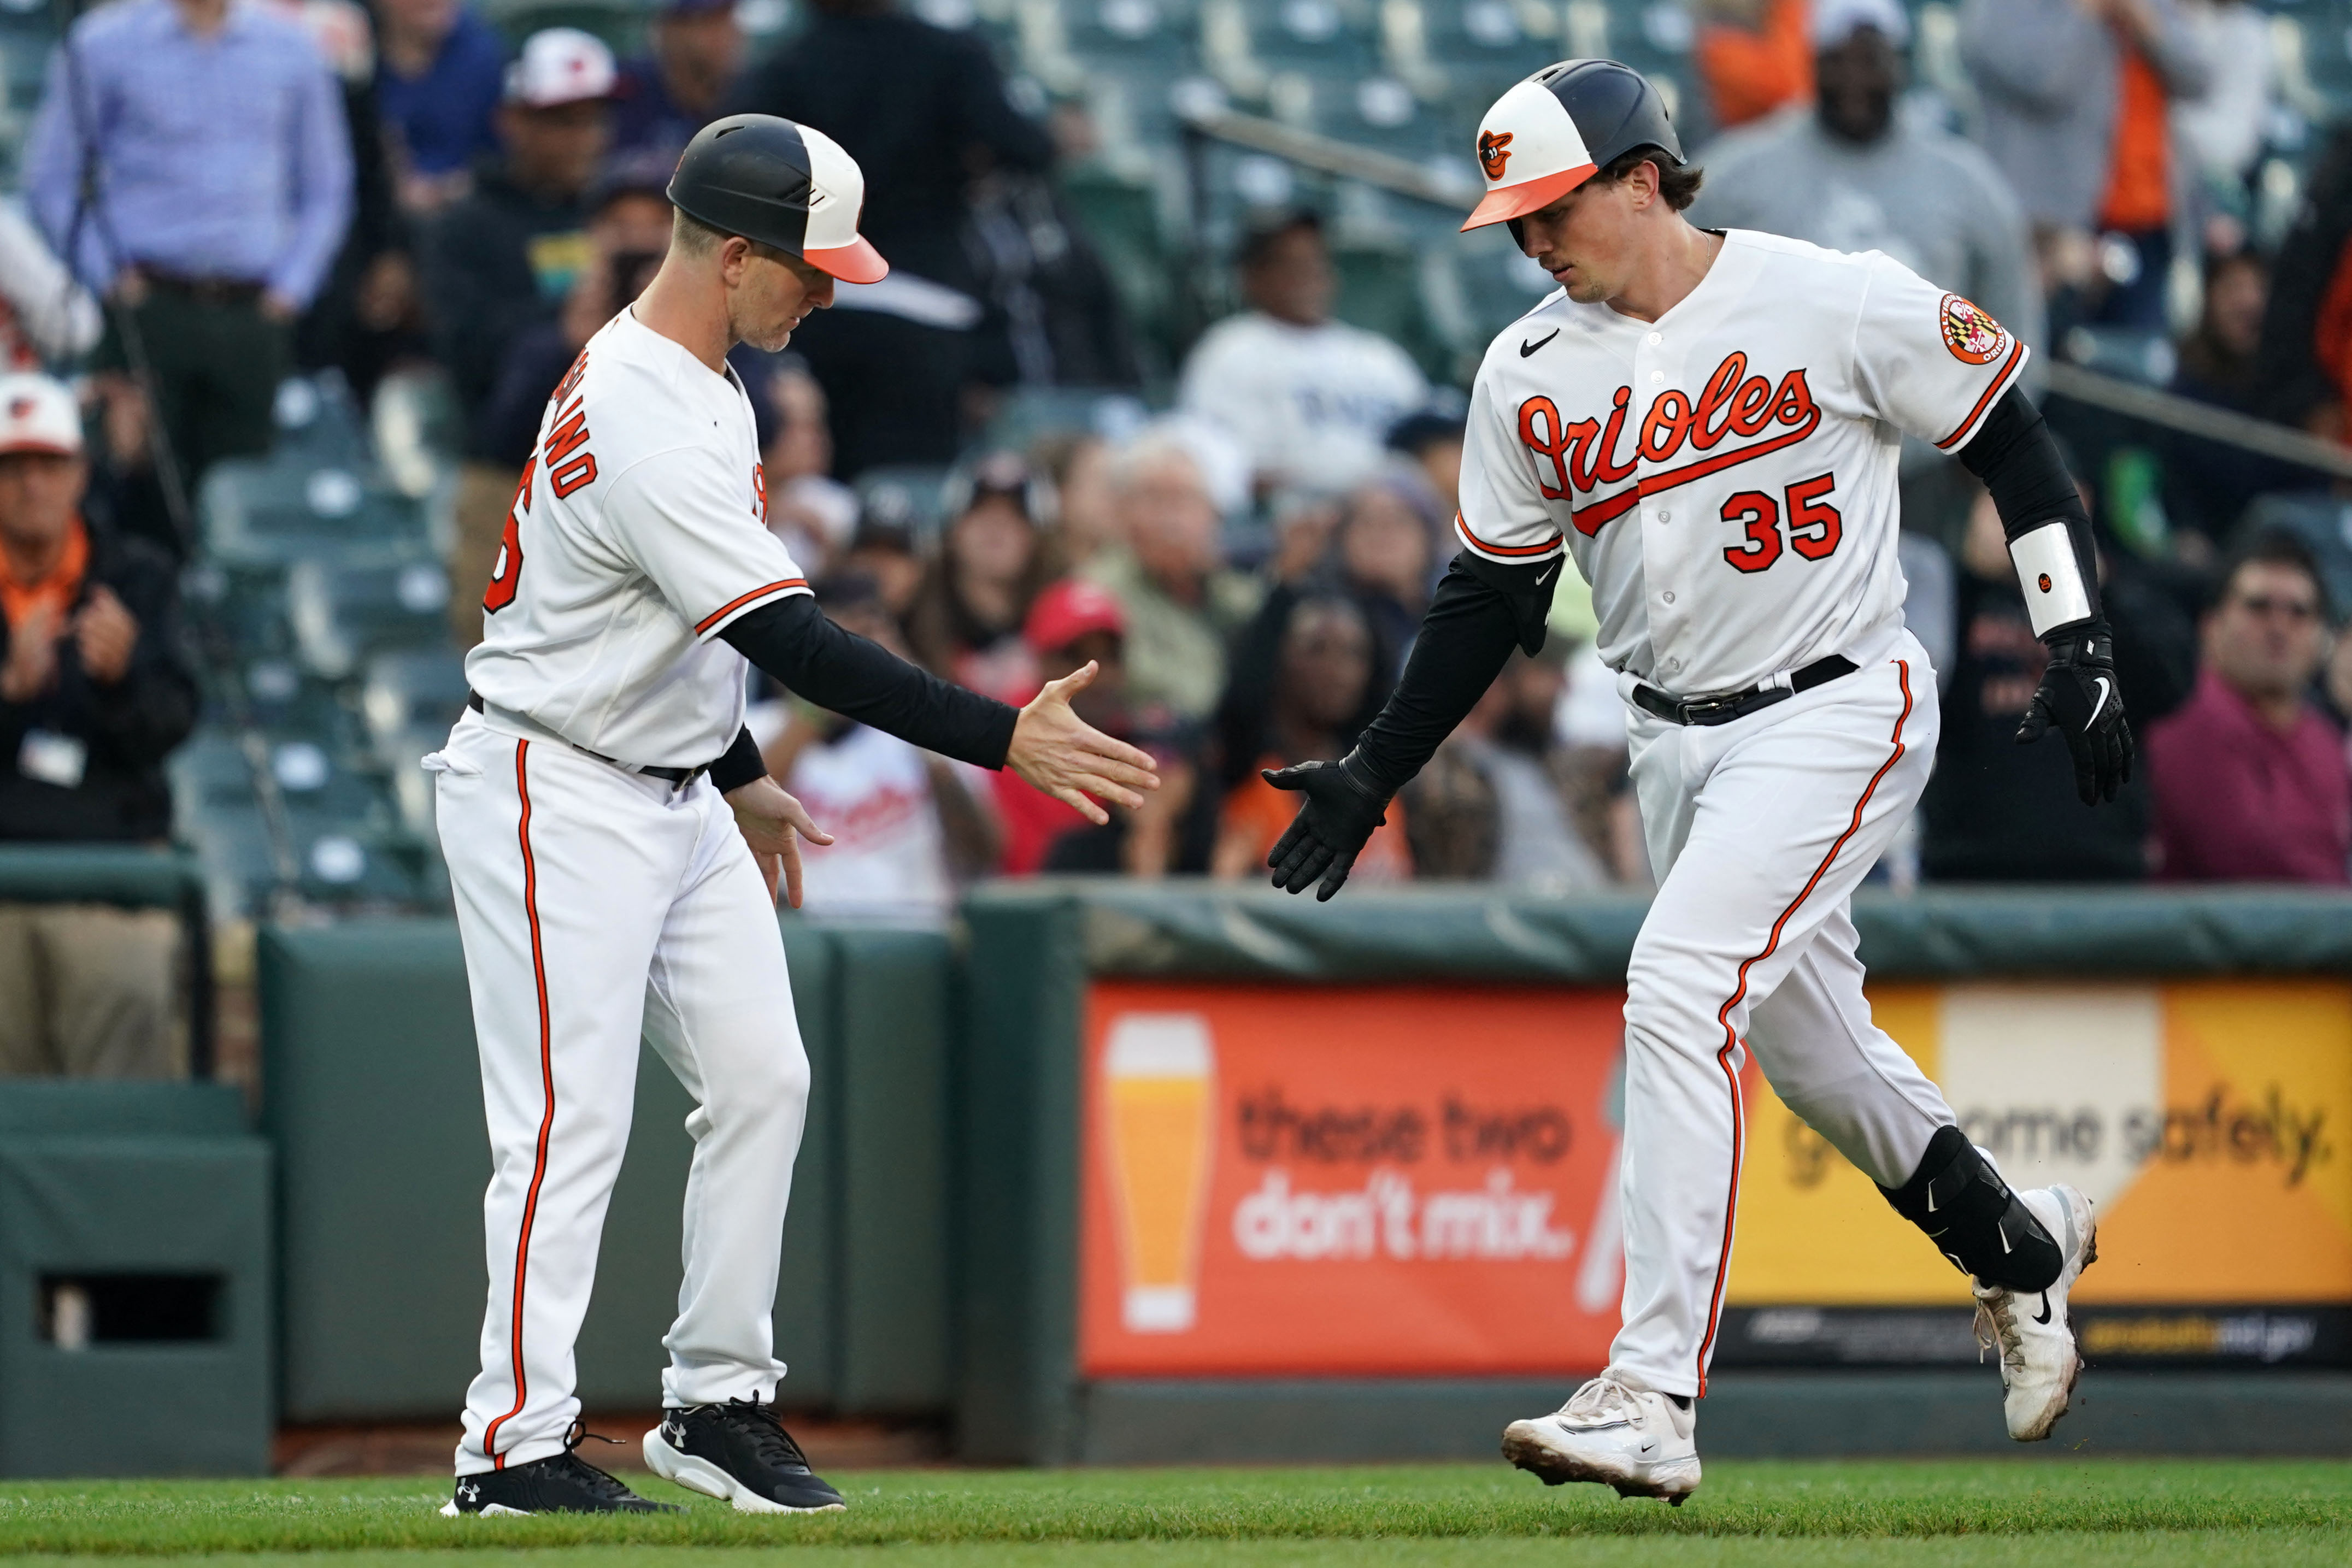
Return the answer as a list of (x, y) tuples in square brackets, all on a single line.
[(637, 534), (1725, 475), (1312, 403)]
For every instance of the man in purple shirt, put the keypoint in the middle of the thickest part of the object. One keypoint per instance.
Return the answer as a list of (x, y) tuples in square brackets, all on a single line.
[(2251, 781), (439, 72), (215, 145)]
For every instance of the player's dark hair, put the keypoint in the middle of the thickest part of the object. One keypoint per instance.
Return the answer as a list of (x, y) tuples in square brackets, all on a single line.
[(1677, 182), (2273, 546)]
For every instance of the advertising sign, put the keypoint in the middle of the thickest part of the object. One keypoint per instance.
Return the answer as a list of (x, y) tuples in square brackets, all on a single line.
[(1421, 1180), (1406, 1181)]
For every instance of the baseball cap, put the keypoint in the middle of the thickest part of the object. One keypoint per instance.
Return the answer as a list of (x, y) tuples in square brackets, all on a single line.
[(39, 414), (559, 66), (1068, 610), (1555, 130), (1836, 21)]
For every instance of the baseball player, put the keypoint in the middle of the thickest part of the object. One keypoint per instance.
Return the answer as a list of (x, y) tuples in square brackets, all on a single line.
[(1709, 423), (616, 845)]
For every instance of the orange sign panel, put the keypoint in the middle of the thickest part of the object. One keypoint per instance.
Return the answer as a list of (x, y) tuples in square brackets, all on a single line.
[(1401, 1181)]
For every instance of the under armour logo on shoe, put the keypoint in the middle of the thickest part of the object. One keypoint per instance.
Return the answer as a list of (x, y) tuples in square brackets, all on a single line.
[(469, 1491)]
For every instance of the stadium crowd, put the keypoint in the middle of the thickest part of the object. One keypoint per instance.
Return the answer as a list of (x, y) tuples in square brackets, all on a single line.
[(252, 186)]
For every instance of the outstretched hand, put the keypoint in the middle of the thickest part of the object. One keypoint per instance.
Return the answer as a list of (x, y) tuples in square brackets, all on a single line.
[(773, 823), (1335, 820), (1070, 759)]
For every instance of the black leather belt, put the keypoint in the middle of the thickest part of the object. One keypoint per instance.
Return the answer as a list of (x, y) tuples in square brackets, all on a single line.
[(1740, 704), (202, 291), (667, 775)]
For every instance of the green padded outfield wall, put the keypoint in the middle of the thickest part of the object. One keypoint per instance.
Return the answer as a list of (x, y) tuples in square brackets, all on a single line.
[(373, 1095), (1034, 946)]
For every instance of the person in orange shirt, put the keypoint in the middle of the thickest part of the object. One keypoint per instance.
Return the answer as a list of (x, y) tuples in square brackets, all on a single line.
[(2076, 98), (1755, 56), (1319, 682)]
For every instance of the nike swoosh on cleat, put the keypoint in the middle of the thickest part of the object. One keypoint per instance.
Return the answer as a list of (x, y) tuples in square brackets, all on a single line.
[(2105, 690), (2043, 1315), (1526, 347)]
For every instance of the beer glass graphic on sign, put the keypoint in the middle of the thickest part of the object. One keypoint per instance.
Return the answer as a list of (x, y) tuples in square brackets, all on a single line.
[(1160, 1118)]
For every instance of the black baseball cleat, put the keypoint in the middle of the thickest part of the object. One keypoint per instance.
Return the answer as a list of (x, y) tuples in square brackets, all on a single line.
[(560, 1484), (739, 1452)]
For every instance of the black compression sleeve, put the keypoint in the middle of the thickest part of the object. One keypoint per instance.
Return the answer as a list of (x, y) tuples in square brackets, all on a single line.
[(740, 766), (1469, 635), (2018, 459), (797, 643)]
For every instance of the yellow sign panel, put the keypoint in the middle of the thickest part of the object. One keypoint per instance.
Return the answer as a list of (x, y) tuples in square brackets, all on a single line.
[(2209, 1122)]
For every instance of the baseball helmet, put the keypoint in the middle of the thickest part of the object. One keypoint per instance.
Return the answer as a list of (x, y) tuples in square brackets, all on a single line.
[(1561, 127), (782, 184)]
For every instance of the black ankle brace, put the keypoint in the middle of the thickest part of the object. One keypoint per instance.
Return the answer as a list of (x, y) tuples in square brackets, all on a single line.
[(1972, 1217)]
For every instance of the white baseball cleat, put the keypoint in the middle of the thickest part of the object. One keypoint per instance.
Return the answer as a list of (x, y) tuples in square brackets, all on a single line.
[(1614, 1431), (2039, 1363)]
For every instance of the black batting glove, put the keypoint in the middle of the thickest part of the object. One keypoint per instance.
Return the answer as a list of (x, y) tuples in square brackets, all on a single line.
[(2080, 699), (1339, 814)]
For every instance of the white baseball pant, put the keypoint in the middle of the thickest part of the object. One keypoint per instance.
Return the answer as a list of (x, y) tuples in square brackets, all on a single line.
[(597, 905), (1760, 828)]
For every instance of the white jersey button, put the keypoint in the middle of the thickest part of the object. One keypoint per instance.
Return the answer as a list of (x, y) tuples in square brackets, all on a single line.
[(1668, 596), (1657, 375), (1665, 516), (1657, 337), (1673, 666)]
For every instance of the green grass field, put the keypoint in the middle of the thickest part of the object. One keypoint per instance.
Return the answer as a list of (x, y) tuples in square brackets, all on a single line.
[(2277, 1514)]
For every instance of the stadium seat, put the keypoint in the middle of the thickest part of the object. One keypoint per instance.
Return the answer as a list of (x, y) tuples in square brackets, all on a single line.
[(272, 511), (340, 613), (908, 497)]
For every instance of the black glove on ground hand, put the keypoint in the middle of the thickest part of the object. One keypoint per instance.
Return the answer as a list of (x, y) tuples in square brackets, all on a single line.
[(2080, 699), (1329, 831)]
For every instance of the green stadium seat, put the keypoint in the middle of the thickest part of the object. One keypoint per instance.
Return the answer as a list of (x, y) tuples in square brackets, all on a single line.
[(268, 512), (340, 613)]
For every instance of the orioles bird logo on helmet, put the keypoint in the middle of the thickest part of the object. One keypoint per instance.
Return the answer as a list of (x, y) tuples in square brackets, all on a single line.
[(1494, 151)]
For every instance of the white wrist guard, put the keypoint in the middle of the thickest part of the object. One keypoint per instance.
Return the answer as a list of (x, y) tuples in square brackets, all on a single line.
[(2055, 593)]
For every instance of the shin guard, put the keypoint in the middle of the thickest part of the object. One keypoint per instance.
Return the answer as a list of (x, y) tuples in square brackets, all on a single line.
[(1973, 1217)]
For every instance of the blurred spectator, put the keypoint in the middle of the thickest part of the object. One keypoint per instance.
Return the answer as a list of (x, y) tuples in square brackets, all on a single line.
[(503, 260), (1072, 623), (1386, 564), (674, 90), (1998, 812), (367, 315), (1319, 684), (1854, 175), (45, 314), (1308, 398), (965, 623), (1506, 755), (1179, 599), (94, 693), (2220, 135), (815, 514), (1053, 316), (923, 112), (224, 184), (440, 72), (885, 551), (1434, 443), (2250, 780), (2077, 103), (907, 826), (1077, 464), (1753, 57), (2209, 483), (2303, 370)]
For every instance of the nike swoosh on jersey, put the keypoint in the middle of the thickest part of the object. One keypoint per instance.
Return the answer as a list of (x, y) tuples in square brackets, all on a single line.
[(1526, 347), (2105, 690)]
